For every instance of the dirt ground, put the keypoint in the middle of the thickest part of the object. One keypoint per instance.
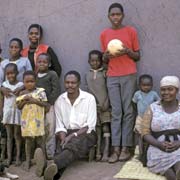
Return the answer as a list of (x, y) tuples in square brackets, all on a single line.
[(80, 170)]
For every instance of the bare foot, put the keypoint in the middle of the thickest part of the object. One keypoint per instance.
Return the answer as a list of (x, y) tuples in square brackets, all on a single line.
[(18, 162), (114, 157), (125, 154), (26, 166), (8, 162), (98, 157), (105, 158)]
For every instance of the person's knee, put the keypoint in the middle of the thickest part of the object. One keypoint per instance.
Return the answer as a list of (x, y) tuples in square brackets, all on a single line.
[(9, 136), (170, 174)]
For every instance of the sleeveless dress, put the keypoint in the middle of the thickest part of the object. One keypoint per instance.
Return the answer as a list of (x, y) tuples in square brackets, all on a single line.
[(33, 116), (159, 161)]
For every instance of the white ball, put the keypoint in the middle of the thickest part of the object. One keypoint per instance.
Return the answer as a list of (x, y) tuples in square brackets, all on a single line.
[(114, 46)]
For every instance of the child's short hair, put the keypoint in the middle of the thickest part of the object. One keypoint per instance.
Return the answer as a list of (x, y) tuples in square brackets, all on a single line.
[(75, 73), (145, 76), (116, 5), (38, 27), (17, 40), (99, 53), (27, 73), (14, 66), (47, 56)]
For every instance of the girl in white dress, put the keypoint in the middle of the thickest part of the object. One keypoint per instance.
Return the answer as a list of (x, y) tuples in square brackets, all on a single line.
[(11, 114)]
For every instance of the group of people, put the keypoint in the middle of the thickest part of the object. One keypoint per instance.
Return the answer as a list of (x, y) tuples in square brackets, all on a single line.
[(63, 128)]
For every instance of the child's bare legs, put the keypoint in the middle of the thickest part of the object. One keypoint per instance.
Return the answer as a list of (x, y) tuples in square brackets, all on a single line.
[(40, 155), (18, 140), (3, 141), (40, 142), (106, 136), (3, 148), (28, 148), (99, 140), (9, 129)]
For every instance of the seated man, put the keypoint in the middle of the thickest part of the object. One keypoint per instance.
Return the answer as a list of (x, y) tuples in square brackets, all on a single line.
[(75, 126)]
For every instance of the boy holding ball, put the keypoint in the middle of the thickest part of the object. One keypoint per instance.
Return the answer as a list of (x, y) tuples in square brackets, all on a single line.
[(121, 81)]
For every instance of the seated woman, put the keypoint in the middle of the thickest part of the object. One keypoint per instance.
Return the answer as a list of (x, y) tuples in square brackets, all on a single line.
[(161, 130)]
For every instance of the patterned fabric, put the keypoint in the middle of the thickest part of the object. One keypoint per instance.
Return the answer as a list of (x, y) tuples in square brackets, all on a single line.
[(32, 118), (159, 161)]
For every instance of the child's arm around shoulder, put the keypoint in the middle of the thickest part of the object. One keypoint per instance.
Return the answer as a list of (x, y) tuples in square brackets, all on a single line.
[(20, 100), (31, 100), (40, 101)]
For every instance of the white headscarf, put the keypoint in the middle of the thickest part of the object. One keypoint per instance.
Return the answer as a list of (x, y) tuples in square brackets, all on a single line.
[(170, 81)]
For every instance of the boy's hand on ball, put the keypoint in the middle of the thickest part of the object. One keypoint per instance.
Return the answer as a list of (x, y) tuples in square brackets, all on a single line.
[(108, 55), (121, 52)]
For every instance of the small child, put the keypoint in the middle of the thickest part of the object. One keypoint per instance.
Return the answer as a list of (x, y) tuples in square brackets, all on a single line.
[(33, 103), (48, 80), (96, 84), (11, 114), (143, 98)]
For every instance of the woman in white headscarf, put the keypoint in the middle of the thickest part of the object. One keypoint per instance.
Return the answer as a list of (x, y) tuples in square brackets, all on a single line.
[(161, 130)]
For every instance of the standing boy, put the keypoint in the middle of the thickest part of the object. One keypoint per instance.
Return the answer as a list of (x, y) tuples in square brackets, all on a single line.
[(121, 81), (96, 85), (50, 82)]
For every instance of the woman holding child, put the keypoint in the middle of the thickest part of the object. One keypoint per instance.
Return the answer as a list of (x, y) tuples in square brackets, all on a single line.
[(160, 129)]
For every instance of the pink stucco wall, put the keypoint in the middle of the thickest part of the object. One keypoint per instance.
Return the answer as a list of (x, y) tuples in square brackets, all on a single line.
[(72, 28)]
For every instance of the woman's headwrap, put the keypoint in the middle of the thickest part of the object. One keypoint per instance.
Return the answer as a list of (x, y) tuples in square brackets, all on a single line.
[(170, 81)]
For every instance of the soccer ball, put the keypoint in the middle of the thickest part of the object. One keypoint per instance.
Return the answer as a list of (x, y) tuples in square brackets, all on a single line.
[(114, 46)]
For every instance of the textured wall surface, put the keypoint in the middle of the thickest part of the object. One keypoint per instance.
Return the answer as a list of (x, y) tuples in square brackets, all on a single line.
[(72, 28)]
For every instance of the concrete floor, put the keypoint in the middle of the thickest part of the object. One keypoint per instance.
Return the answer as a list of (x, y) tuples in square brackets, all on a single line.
[(81, 170)]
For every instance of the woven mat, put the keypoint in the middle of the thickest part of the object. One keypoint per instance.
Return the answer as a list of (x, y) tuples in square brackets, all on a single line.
[(134, 169)]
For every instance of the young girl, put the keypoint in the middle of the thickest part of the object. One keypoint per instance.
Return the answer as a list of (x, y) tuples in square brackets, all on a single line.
[(35, 34), (11, 114), (33, 102), (96, 84)]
